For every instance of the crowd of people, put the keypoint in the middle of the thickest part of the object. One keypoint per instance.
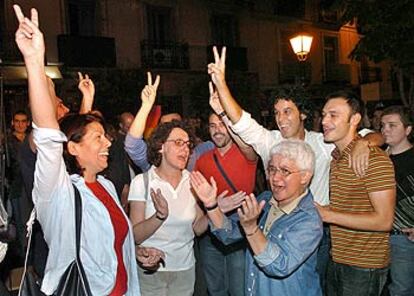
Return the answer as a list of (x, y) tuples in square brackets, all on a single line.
[(164, 212)]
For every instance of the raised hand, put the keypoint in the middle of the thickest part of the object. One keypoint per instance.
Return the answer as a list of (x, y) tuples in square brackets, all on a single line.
[(160, 203), (231, 202), (149, 92), (28, 37), (149, 258), (206, 193), (250, 212), (214, 99), (86, 86), (217, 69)]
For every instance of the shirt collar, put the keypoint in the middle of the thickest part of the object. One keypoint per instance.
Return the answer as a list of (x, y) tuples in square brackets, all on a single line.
[(288, 208), (336, 154)]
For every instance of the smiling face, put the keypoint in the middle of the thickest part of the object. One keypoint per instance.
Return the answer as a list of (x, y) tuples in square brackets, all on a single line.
[(289, 120), (92, 151), (393, 130), (287, 182), (175, 153), (338, 122), (218, 132)]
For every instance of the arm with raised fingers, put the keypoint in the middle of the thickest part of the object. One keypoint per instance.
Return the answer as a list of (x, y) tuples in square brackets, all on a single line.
[(148, 96), (87, 88), (30, 42), (216, 71)]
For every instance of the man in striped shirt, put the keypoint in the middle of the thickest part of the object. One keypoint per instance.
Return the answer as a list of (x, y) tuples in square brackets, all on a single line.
[(361, 209)]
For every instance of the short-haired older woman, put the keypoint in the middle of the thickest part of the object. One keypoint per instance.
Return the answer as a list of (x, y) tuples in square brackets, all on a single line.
[(163, 209), (282, 227)]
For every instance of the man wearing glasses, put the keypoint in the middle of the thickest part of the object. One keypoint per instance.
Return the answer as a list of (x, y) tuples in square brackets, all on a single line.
[(282, 226)]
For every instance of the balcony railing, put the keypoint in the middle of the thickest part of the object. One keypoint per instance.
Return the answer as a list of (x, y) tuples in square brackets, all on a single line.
[(295, 72), (169, 55), (236, 57), (370, 74), (8, 48), (337, 73)]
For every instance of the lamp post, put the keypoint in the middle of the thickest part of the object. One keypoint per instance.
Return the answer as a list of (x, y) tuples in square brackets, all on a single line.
[(301, 45)]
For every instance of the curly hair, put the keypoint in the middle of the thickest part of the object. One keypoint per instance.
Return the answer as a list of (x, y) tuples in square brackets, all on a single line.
[(160, 135), (74, 127)]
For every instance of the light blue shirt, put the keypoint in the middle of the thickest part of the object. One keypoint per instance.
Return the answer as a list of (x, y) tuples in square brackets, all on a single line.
[(287, 266), (53, 196)]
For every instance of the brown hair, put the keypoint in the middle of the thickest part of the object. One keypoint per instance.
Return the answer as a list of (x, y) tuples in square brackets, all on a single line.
[(160, 135), (74, 127)]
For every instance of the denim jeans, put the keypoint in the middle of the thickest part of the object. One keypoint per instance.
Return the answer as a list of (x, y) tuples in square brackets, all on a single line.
[(346, 280), (223, 266), (323, 257), (402, 266)]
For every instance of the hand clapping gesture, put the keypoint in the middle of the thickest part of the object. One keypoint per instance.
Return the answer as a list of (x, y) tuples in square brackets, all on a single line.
[(206, 193), (29, 38), (231, 202), (217, 69), (149, 92), (160, 204), (249, 213)]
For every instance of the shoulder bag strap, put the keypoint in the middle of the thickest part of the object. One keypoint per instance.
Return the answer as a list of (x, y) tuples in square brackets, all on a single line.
[(78, 219), (78, 225), (146, 182), (223, 173)]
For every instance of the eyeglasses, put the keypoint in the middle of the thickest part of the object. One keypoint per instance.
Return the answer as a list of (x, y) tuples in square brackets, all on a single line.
[(272, 170), (181, 143)]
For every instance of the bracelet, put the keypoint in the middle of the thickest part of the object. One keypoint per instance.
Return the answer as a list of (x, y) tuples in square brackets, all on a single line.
[(222, 114), (212, 207), (250, 234), (159, 217)]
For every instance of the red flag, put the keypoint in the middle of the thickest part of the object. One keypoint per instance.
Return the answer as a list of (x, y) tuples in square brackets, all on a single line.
[(152, 120)]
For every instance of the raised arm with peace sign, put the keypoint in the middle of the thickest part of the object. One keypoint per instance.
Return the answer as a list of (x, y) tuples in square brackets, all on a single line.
[(31, 44), (148, 96), (217, 72), (29, 38)]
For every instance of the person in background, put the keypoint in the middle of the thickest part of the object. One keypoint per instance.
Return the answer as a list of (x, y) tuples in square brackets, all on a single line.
[(223, 265), (396, 128)]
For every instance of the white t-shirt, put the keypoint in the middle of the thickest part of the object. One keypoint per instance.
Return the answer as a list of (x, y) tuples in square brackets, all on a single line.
[(262, 140), (175, 236)]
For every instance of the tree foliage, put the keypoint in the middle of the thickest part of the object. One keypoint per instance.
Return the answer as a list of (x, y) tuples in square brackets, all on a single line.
[(387, 29)]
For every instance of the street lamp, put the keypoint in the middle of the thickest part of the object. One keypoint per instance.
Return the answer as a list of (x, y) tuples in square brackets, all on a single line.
[(301, 45)]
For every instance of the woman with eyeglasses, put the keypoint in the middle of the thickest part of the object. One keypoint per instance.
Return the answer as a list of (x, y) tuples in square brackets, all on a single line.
[(163, 209)]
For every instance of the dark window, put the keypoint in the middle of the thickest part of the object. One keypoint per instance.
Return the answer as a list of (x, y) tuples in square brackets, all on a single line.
[(82, 17), (224, 29), (330, 50), (2, 22), (291, 8), (160, 24)]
